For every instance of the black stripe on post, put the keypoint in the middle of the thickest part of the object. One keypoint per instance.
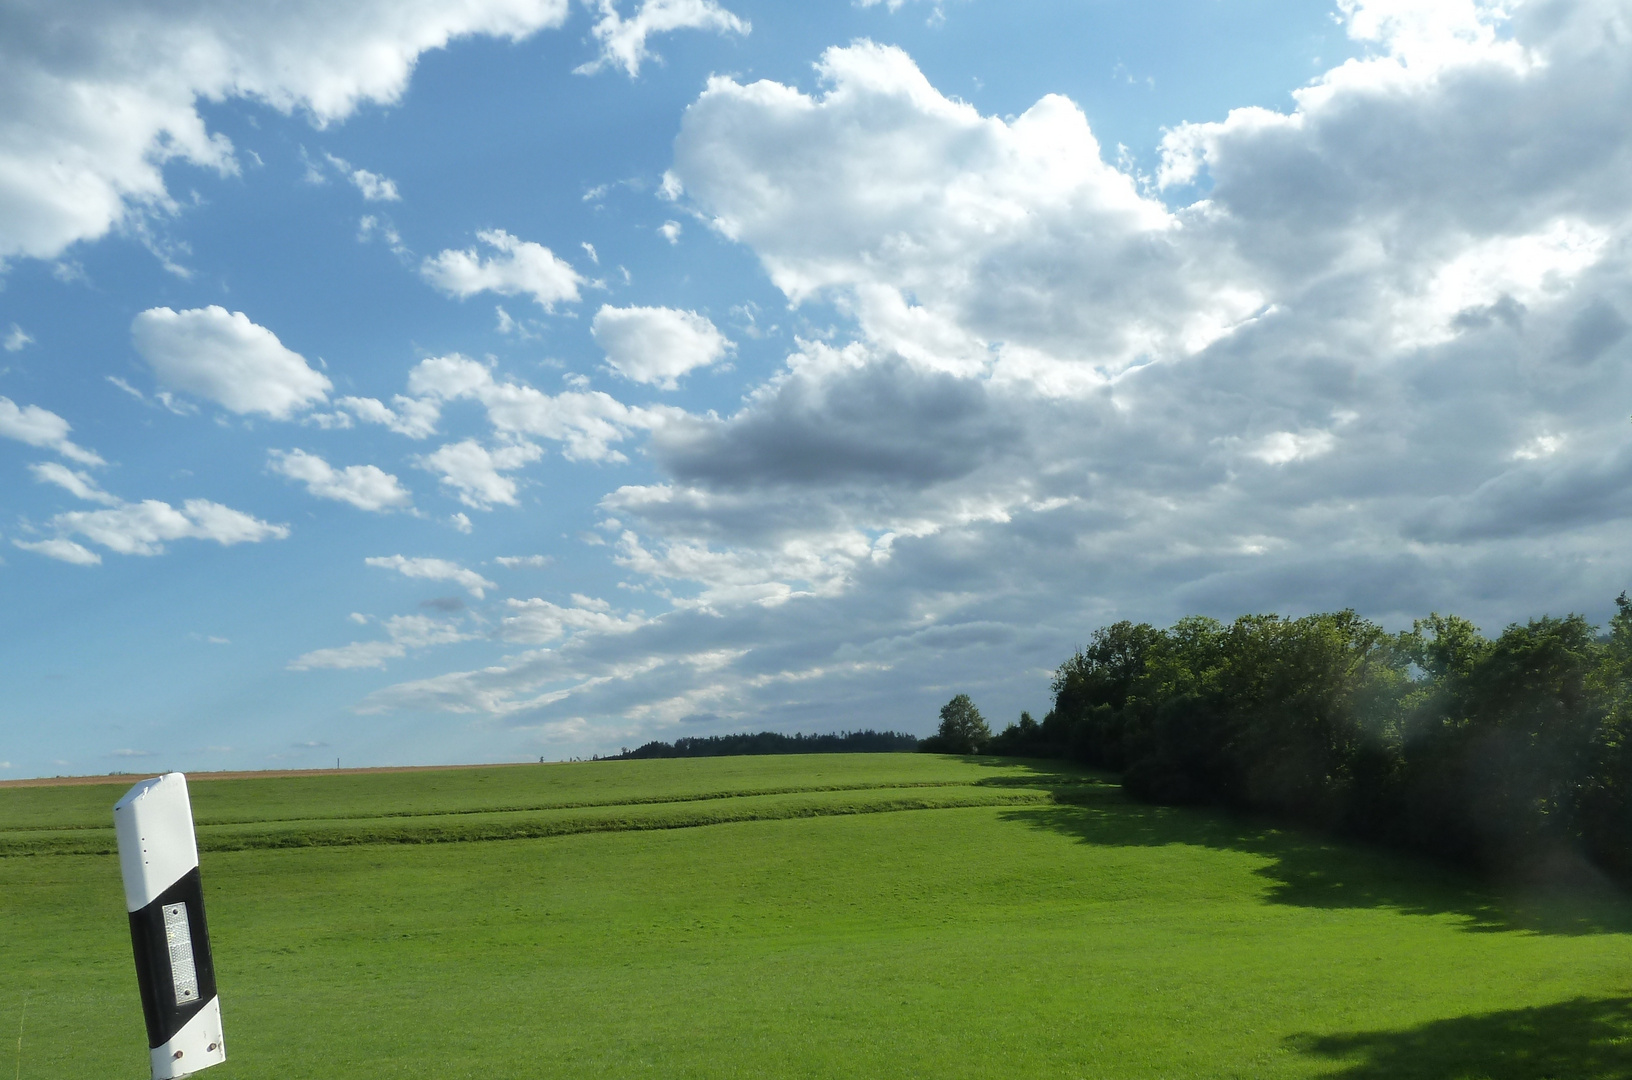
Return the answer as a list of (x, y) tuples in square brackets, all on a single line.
[(165, 1006)]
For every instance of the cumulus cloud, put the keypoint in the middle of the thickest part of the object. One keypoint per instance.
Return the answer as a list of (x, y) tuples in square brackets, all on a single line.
[(413, 417), (89, 130), (966, 248), (16, 339), (623, 41), (367, 487), (517, 268), (587, 422), (42, 428), (223, 357), (657, 345), (434, 570), (144, 528), (475, 473)]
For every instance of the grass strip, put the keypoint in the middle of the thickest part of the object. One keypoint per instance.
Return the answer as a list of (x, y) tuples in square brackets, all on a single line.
[(465, 827), (320, 795), (204, 820)]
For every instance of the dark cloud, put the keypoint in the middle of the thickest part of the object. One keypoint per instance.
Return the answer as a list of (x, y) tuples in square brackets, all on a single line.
[(1596, 329), (883, 423), (1535, 498)]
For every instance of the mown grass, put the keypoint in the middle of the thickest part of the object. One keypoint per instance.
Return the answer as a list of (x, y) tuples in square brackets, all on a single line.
[(1066, 933), (531, 801)]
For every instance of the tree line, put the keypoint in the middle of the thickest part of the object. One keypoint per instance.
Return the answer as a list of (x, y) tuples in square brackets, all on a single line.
[(1493, 752), (772, 742)]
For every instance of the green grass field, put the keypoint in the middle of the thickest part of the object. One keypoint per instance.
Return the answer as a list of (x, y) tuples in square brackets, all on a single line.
[(812, 916)]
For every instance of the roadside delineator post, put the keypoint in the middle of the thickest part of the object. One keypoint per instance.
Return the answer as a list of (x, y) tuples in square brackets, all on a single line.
[(158, 858)]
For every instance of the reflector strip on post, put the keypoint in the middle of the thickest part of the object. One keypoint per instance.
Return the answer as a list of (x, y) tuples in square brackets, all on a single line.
[(178, 937), (158, 858)]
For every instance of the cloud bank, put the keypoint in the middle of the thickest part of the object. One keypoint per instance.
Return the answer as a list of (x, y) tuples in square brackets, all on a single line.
[(1371, 351)]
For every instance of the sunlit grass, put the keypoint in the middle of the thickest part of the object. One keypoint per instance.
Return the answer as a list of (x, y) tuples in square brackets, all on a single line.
[(1064, 932)]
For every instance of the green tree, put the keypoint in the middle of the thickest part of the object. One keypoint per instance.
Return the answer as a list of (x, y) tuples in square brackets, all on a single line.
[(963, 730)]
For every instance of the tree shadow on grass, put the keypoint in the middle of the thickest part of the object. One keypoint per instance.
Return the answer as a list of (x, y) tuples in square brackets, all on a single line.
[(1304, 869), (1583, 1039)]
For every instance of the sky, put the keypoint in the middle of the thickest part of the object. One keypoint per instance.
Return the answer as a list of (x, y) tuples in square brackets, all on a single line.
[(434, 381)]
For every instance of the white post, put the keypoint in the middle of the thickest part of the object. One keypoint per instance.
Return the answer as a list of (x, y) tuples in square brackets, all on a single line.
[(158, 857)]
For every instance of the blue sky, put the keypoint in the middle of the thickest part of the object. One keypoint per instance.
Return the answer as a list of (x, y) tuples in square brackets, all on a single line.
[(440, 382)]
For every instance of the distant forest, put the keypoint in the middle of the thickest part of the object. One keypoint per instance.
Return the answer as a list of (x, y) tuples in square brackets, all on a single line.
[(1512, 754), (773, 742)]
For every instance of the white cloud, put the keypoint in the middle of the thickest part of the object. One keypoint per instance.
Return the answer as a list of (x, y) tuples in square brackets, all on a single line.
[(1284, 447), (137, 528), (164, 397), (623, 41), (538, 622), (359, 654), (449, 378), (16, 339), (989, 240), (657, 345), (1542, 446), (366, 487), (42, 428), (64, 550), (937, 13), (413, 417), (519, 268), (87, 131), (476, 474), (434, 570), (370, 225), (127, 388), (512, 562), (76, 483), (588, 422), (143, 528), (462, 522), (671, 231), (223, 357), (374, 187), (423, 631), (406, 632)]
